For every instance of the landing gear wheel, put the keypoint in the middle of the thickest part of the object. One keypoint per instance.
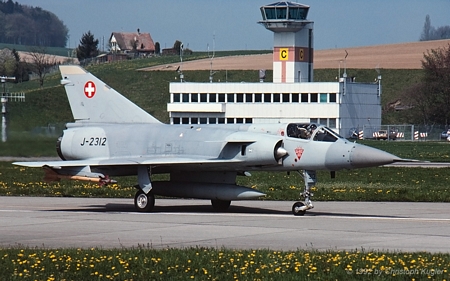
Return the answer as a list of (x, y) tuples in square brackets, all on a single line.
[(144, 202), (297, 209), (220, 205)]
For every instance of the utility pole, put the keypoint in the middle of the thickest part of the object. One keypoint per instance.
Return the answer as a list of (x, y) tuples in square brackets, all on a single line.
[(4, 99)]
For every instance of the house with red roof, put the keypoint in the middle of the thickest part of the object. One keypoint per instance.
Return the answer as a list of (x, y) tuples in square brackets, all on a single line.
[(129, 42)]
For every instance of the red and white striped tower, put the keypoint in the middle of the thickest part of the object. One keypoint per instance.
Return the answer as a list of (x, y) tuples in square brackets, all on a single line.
[(293, 41)]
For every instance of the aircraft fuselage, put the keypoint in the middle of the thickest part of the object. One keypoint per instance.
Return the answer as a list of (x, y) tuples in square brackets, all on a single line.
[(239, 143)]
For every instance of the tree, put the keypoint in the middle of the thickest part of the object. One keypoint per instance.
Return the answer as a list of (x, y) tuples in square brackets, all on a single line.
[(436, 64), (40, 62), (427, 29), (177, 46), (7, 63), (430, 98), (429, 32), (88, 47), (27, 25), (157, 48)]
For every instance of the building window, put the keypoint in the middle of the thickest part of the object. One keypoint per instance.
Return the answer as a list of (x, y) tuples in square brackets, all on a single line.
[(314, 97), (258, 98), (333, 97), (176, 120), (230, 120), (176, 97), (194, 97), (203, 98), (239, 98), (230, 98), (249, 98), (212, 97), (294, 98), (221, 120), (313, 120), (248, 120), (221, 97), (194, 120), (270, 13), (281, 13), (212, 120), (332, 122), (305, 98), (185, 97), (185, 120), (276, 98), (268, 98), (239, 120), (323, 98), (286, 98), (203, 120)]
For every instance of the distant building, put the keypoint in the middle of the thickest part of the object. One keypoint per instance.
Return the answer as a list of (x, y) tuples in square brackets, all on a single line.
[(170, 52), (127, 42)]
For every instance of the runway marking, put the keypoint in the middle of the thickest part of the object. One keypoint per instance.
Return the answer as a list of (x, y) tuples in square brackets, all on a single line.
[(307, 216), (300, 217)]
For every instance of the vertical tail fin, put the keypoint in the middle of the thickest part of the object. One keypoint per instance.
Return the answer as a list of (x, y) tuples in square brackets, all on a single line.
[(91, 100)]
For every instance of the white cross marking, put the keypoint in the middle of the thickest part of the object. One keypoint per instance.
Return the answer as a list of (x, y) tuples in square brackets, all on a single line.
[(89, 89)]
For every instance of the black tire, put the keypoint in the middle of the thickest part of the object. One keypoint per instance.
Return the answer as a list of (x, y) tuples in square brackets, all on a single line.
[(296, 207), (144, 202), (220, 205)]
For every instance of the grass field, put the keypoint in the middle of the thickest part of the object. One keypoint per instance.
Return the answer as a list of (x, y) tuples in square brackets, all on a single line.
[(145, 263)]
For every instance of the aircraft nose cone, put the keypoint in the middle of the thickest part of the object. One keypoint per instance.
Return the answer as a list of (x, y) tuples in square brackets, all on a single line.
[(364, 156)]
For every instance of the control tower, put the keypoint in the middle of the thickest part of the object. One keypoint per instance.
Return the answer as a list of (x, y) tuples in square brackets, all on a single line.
[(292, 41)]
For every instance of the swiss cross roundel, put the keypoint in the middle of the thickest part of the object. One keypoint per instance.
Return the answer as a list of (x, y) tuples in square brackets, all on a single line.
[(89, 89)]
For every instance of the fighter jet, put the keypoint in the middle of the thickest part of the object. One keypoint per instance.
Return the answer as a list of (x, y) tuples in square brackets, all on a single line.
[(112, 137)]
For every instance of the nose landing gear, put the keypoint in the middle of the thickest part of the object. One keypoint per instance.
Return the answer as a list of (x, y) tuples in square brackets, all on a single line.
[(299, 208)]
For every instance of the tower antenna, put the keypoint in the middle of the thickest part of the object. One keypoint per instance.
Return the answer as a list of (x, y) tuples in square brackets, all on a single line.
[(211, 57), (180, 70)]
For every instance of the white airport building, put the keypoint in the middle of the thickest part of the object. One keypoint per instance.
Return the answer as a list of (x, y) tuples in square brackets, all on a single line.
[(344, 106)]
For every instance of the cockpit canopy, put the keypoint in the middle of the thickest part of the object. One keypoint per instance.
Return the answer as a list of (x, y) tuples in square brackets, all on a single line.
[(312, 131)]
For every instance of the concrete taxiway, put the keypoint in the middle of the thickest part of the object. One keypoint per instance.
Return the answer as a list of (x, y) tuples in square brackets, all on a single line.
[(113, 223)]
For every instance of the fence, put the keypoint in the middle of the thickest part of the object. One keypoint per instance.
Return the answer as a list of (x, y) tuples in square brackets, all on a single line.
[(405, 132)]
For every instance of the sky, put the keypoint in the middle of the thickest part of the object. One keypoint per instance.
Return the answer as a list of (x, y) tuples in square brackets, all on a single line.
[(232, 24)]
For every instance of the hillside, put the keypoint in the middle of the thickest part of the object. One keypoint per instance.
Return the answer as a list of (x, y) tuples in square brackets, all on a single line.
[(150, 89)]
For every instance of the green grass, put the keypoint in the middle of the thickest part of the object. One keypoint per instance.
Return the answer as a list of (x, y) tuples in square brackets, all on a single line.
[(150, 89), (372, 184), (435, 151), (147, 263), (27, 144)]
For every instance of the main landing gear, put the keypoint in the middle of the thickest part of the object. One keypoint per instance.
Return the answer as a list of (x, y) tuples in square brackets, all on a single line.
[(144, 200), (299, 208), (220, 205)]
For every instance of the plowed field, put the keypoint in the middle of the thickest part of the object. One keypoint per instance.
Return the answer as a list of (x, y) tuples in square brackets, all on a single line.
[(392, 56)]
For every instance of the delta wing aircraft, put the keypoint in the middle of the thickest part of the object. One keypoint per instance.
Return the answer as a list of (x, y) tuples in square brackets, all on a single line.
[(112, 137)]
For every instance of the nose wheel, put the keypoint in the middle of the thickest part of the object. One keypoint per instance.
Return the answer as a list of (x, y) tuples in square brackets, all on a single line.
[(298, 209)]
